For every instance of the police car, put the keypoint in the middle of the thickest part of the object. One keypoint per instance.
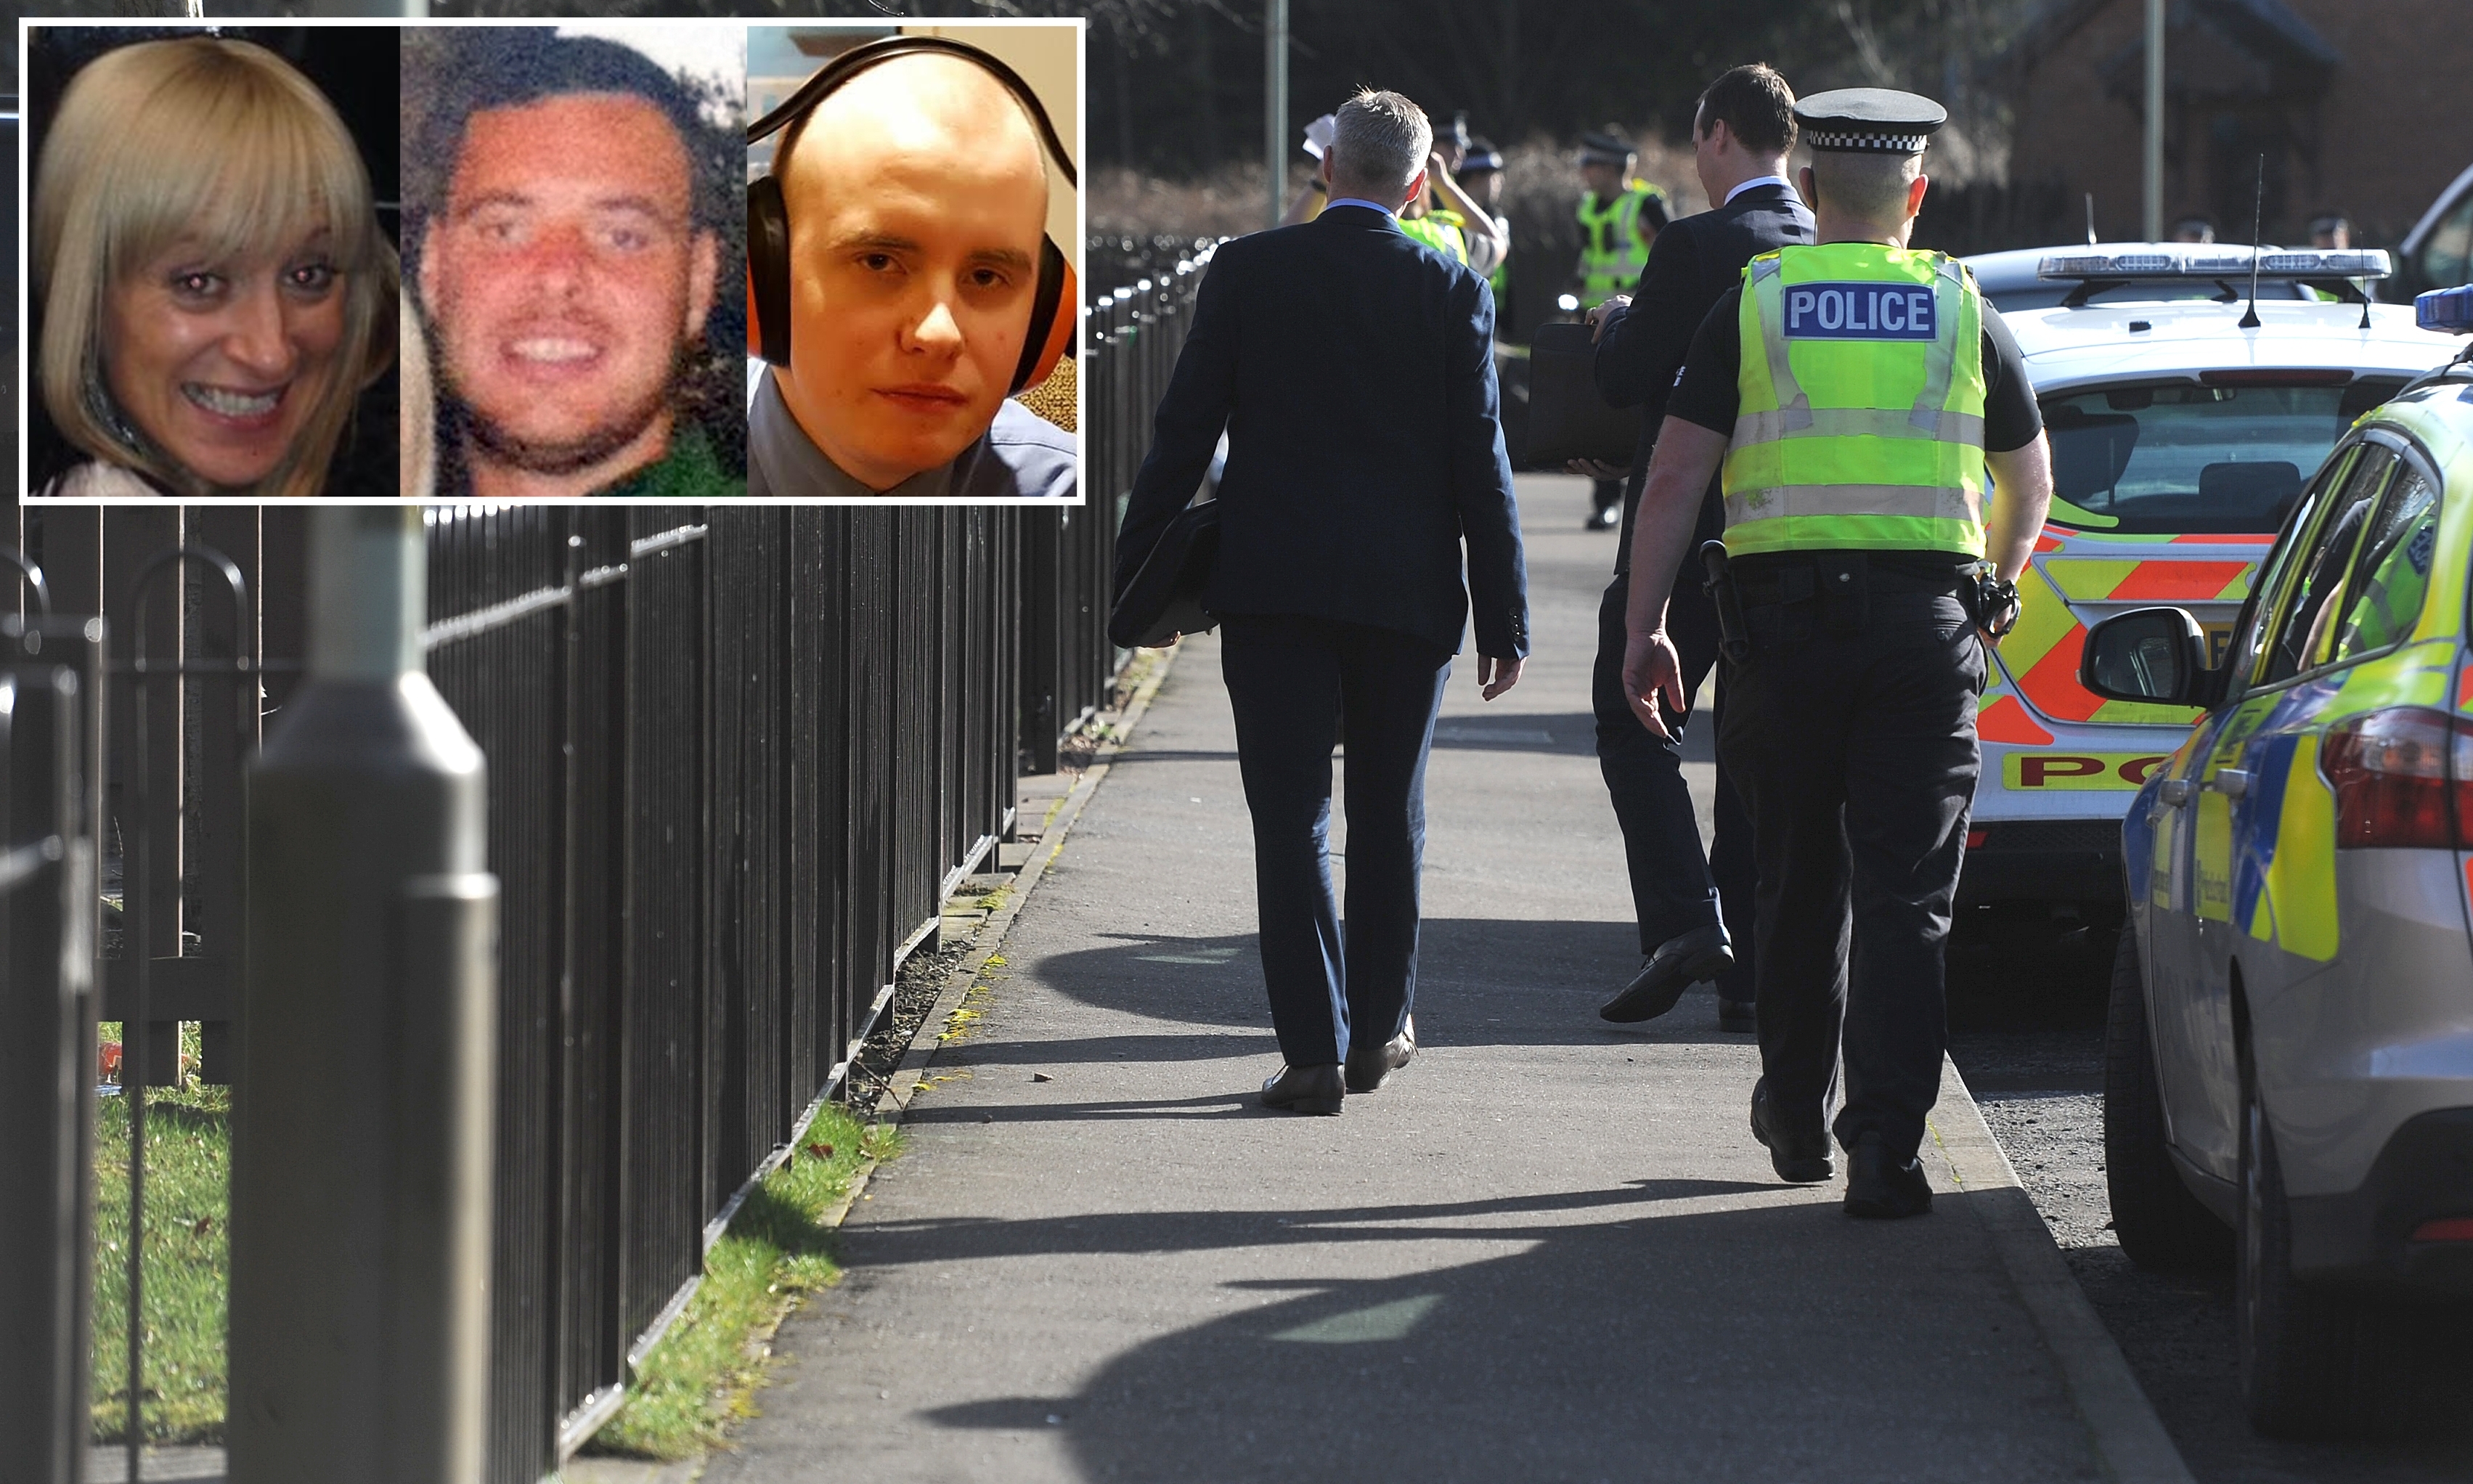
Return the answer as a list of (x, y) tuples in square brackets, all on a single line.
[(2180, 437), (2290, 1050)]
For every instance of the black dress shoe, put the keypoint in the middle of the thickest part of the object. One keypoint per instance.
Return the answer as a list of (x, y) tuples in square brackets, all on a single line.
[(1306, 1090), (1800, 1157), (1879, 1187), (1369, 1066), (1677, 965), (1737, 1015)]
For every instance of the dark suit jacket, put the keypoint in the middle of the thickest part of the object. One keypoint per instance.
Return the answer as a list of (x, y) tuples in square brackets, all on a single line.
[(1353, 371), (1692, 263)]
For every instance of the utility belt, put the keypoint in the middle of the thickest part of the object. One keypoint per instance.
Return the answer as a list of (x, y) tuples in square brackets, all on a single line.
[(1781, 599)]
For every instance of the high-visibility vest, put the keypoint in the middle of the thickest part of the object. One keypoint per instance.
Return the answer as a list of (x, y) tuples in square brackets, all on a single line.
[(1856, 425), (1439, 231), (1612, 255)]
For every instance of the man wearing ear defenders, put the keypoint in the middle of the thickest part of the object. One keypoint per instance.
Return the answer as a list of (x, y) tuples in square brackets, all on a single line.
[(902, 241)]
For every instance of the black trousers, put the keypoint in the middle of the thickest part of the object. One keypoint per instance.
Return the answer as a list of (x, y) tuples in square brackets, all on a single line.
[(1292, 681), (1855, 749), (1676, 886)]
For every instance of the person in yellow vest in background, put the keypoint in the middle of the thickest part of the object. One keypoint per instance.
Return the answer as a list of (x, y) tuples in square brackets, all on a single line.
[(1447, 218), (1619, 216), (1857, 394), (1479, 173)]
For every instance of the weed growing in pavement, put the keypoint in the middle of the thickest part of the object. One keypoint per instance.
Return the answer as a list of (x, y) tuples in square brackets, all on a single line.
[(188, 1263), (703, 1373)]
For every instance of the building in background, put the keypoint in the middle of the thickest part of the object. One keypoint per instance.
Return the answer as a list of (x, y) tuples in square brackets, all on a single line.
[(2358, 106)]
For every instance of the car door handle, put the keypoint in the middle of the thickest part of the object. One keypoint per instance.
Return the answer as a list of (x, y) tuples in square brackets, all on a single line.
[(2232, 783), (2175, 792)]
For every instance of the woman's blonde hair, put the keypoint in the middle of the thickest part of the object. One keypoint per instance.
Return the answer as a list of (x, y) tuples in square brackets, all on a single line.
[(214, 141)]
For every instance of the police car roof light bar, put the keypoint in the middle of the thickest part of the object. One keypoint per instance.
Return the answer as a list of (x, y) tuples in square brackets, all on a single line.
[(2167, 261), (2447, 311)]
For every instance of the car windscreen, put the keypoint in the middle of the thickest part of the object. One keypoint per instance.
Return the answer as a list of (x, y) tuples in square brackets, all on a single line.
[(2175, 458)]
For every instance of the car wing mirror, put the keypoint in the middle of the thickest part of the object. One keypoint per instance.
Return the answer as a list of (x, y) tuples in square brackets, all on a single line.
[(2152, 655)]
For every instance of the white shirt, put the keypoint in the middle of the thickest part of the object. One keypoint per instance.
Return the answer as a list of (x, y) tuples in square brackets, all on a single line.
[(1754, 183)]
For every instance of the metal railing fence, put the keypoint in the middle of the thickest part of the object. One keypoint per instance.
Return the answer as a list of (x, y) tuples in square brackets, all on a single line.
[(737, 757), (49, 725)]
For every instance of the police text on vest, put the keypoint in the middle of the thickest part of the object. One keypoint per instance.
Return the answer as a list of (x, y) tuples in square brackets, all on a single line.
[(1861, 311)]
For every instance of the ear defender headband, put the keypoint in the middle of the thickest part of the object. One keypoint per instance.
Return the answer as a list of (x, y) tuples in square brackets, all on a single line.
[(1053, 310)]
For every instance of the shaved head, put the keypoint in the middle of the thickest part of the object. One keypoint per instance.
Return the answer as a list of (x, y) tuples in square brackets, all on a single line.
[(940, 108), (916, 197)]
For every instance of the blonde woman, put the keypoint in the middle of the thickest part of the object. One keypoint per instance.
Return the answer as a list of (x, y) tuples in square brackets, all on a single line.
[(213, 280)]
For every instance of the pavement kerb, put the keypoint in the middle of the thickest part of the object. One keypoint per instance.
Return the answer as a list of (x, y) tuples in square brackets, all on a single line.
[(2129, 1439), (933, 1031), (928, 1037)]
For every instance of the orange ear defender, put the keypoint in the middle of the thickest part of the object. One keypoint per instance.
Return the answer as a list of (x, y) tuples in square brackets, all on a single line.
[(1055, 312)]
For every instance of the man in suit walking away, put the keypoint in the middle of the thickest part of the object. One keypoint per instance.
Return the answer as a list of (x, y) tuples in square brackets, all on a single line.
[(1352, 370), (1742, 134)]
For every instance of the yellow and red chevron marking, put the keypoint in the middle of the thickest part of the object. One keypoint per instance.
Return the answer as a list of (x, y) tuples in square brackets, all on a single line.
[(2171, 580), (2041, 654), (2004, 719)]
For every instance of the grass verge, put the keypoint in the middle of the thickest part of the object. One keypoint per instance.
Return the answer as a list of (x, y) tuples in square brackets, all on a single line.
[(188, 1265), (703, 1373)]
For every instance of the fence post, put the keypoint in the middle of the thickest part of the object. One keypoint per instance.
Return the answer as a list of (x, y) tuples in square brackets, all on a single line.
[(51, 696), (363, 1115)]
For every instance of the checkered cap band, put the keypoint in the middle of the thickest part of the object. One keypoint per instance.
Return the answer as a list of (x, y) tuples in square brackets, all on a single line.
[(1876, 144)]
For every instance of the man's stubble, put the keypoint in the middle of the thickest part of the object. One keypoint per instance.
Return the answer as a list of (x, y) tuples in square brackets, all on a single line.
[(500, 444)]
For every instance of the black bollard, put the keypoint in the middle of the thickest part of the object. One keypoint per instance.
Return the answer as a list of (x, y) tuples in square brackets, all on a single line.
[(363, 1113)]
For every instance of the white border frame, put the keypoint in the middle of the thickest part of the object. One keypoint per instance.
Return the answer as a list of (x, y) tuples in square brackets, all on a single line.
[(1080, 25)]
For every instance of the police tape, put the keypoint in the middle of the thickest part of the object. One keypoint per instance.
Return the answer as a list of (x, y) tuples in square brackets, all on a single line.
[(2118, 771)]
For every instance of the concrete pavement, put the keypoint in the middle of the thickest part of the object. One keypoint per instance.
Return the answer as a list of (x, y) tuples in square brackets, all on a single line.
[(1550, 1250)]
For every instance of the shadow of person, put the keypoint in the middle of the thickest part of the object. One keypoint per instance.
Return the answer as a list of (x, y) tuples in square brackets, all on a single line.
[(1762, 1339), (1480, 982)]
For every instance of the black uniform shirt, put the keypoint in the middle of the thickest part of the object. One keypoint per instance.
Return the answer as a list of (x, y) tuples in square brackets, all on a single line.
[(1708, 387)]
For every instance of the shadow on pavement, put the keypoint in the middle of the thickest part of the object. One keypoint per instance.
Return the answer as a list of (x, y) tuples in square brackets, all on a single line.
[(1775, 1342), (898, 1243), (1519, 731), (1480, 981)]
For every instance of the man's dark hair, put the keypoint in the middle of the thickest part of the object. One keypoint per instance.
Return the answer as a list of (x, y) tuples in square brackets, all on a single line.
[(487, 67), (1755, 104)]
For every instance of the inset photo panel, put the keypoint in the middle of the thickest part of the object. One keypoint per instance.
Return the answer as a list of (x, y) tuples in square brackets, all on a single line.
[(914, 240), (210, 271), (574, 247)]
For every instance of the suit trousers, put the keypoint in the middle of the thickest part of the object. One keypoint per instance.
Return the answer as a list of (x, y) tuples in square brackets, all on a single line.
[(1675, 888), (1292, 681), (1856, 752)]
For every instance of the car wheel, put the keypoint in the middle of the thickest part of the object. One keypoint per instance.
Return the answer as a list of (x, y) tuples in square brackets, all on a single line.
[(2160, 1223), (2307, 1353)]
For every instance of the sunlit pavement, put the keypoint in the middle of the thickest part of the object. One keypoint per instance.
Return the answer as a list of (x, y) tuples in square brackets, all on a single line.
[(1549, 1250)]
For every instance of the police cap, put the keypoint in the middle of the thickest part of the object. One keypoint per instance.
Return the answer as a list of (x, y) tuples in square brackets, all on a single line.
[(1606, 144), (1869, 120), (1481, 155)]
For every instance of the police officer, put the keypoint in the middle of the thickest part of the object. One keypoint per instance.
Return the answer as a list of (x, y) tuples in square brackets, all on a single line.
[(1449, 220), (1856, 393), (1619, 216), (1479, 173)]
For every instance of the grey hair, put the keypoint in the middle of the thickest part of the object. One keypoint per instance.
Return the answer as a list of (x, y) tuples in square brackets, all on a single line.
[(1379, 142)]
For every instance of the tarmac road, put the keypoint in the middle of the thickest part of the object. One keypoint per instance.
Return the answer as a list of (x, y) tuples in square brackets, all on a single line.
[(2026, 1004)]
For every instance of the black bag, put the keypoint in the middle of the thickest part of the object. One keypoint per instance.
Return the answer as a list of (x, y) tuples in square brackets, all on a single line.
[(1165, 598), (1567, 418)]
